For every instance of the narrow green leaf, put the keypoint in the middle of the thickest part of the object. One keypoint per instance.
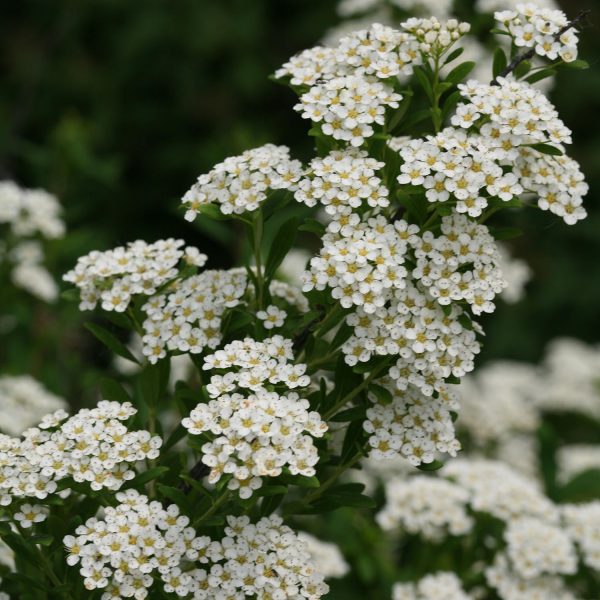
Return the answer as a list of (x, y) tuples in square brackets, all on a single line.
[(506, 233), (547, 149), (110, 341), (432, 466), (146, 476), (500, 62), (313, 226), (577, 64), (424, 83), (284, 240), (383, 395), (212, 211), (42, 540), (454, 55), (539, 75), (522, 69), (460, 72)]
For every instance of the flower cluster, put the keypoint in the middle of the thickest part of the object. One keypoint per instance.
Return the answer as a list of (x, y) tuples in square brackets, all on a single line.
[(397, 314), (463, 168), (23, 402), (438, 586), (241, 183), (342, 182), (435, 37), (349, 85), (115, 276), (544, 29), (139, 540), (535, 548), (93, 446), (413, 425), (429, 506), (557, 181), (187, 317), (256, 434)]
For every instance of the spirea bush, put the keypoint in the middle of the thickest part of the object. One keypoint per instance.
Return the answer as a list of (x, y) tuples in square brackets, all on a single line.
[(252, 402)]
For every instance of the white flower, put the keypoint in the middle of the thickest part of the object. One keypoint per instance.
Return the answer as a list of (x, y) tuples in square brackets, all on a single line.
[(272, 317), (29, 514)]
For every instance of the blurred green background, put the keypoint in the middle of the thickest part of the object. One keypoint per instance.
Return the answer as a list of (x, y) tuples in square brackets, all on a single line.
[(116, 107)]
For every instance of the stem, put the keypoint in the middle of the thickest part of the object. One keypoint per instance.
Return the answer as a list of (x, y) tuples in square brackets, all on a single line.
[(137, 326), (320, 361), (357, 390), (211, 511), (257, 231), (436, 114)]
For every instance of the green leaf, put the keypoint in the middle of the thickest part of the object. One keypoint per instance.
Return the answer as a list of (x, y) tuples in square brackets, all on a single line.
[(178, 434), (335, 501), (348, 488), (283, 242), (460, 72), (383, 395), (275, 202), (70, 295), (270, 503), (42, 539), (415, 118), (506, 233), (176, 496), (424, 83), (522, 69), (542, 74), (271, 490), (313, 226), (547, 149), (356, 413), (453, 55), (113, 390), (110, 341), (399, 113), (149, 475), (212, 211), (500, 62), (499, 31), (299, 480), (432, 466), (577, 64)]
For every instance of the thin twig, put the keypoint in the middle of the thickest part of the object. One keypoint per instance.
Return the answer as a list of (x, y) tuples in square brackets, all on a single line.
[(517, 60)]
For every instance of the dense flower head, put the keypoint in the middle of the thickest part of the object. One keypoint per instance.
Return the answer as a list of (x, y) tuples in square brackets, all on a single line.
[(139, 541), (429, 506), (187, 317), (509, 585), (343, 181), (543, 29), (535, 548), (414, 426), (557, 181), (241, 183), (347, 107), (115, 276), (465, 169), (256, 432), (437, 586), (515, 108), (517, 497), (93, 446), (23, 402), (349, 89)]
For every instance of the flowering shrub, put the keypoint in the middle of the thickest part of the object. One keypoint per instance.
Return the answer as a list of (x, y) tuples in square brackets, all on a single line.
[(185, 490)]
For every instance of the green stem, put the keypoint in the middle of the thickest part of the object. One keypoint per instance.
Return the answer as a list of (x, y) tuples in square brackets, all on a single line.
[(357, 390), (311, 365), (215, 506), (312, 496), (137, 326), (257, 232)]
